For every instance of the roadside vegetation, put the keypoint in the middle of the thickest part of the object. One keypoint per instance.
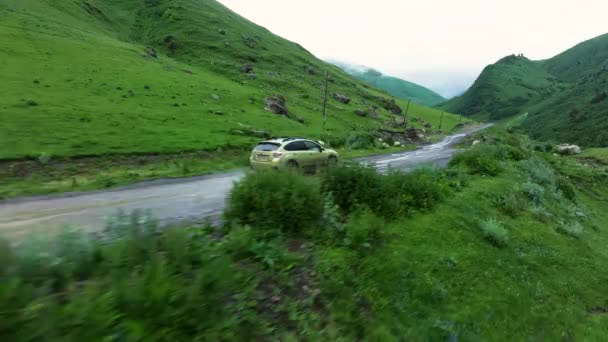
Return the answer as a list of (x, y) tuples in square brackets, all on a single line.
[(113, 82), (505, 243)]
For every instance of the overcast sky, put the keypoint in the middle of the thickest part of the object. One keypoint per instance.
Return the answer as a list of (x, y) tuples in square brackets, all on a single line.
[(442, 44)]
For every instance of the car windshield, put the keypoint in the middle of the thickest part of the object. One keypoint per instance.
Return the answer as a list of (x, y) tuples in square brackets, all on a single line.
[(266, 146)]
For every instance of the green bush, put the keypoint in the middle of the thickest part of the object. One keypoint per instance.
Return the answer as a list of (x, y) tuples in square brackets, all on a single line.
[(573, 229), (421, 189), (495, 233), (533, 191), (388, 196), (359, 141), (507, 202), (363, 231), (480, 159), (539, 171), (566, 188), (272, 200), (352, 186)]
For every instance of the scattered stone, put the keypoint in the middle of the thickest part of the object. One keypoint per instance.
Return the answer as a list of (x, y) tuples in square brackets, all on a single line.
[(248, 41), (215, 97), (276, 104), (476, 142), (226, 43), (373, 113), (252, 75), (310, 70), (424, 124), (385, 145), (361, 113), (221, 31), (151, 52), (390, 105), (566, 149), (579, 214), (275, 299), (247, 68), (342, 98), (397, 144), (399, 121)]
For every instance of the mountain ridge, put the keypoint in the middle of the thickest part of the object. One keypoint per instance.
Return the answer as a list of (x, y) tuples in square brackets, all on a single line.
[(564, 95)]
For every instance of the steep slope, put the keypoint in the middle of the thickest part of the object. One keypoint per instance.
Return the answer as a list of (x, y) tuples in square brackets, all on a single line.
[(395, 86), (580, 61), (503, 88), (94, 77), (565, 97)]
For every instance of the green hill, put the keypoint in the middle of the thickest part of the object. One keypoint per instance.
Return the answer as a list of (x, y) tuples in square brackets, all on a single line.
[(98, 77), (395, 86), (565, 96)]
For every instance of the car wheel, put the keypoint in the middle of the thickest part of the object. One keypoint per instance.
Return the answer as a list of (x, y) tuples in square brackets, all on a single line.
[(292, 165), (332, 161)]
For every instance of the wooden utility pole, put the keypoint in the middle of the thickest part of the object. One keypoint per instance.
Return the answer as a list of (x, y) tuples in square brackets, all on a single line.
[(440, 121), (325, 101), (407, 108)]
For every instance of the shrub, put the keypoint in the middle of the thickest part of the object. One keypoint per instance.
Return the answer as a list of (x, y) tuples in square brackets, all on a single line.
[(354, 185), (421, 189), (507, 202), (363, 231), (271, 200), (494, 232), (539, 171), (358, 141), (389, 196), (573, 229), (533, 191), (480, 159), (541, 213), (566, 187)]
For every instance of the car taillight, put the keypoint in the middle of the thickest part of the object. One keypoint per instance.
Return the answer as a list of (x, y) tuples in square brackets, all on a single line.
[(277, 155)]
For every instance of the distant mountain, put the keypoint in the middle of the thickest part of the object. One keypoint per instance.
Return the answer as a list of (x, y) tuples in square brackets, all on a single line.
[(565, 96), (395, 86)]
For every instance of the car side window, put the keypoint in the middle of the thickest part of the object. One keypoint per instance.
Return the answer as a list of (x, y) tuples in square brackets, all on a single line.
[(296, 146), (311, 146)]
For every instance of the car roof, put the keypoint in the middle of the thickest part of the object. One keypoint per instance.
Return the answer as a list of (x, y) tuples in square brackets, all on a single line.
[(284, 140)]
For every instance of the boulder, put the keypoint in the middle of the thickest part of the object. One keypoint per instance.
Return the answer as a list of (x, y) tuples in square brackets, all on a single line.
[(399, 121), (310, 70), (342, 98), (390, 105), (373, 113), (276, 104), (151, 52), (221, 31), (397, 144), (567, 149), (424, 123), (361, 113), (476, 142), (247, 68)]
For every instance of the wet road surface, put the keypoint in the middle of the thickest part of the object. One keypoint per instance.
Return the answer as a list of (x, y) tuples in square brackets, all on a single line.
[(171, 201)]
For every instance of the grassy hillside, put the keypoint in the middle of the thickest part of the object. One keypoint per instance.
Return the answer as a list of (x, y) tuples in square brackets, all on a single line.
[(506, 87), (80, 79), (565, 96), (395, 86), (506, 244)]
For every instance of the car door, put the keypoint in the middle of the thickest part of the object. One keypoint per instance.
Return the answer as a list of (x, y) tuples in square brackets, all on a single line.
[(299, 152), (316, 156)]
